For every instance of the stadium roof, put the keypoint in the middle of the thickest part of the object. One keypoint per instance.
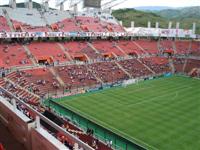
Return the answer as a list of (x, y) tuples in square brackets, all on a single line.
[(134, 3)]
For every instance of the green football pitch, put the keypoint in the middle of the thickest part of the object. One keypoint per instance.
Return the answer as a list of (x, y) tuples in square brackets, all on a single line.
[(161, 114)]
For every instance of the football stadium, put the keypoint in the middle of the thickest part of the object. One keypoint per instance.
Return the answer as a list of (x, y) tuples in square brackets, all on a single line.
[(77, 77)]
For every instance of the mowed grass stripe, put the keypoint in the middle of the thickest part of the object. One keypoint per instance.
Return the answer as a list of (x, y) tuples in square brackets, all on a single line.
[(163, 113)]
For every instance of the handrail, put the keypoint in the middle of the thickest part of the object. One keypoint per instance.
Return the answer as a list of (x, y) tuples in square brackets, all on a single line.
[(51, 123)]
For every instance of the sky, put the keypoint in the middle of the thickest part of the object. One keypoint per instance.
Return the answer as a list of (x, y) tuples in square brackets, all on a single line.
[(136, 3)]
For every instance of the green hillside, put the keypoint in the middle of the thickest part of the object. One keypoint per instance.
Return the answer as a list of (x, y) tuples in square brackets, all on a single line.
[(141, 18), (183, 13)]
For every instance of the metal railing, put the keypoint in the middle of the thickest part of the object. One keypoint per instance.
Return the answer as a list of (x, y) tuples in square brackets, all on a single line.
[(49, 122)]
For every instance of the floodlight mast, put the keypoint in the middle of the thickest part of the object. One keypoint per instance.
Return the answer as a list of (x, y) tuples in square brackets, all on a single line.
[(74, 5), (12, 4), (45, 4), (29, 4), (61, 4)]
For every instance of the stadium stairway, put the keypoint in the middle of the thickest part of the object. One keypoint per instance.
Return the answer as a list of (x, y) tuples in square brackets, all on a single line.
[(129, 75), (146, 66), (158, 46), (8, 20), (171, 65), (145, 52), (174, 47), (119, 48), (190, 47), (32, 58), (88, 58), (91, 46), (97, 78), (185, 64), (64, 51), (97, 52), (114, 55), (58, 78)]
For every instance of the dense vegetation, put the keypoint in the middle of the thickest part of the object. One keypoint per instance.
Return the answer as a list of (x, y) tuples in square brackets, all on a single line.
[(186, 16), (188, 12)]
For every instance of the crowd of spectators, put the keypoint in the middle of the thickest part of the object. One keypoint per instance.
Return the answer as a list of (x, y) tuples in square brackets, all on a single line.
[(157, 64), (135, 68), (191, 64), (75, 76), (179, 64), (108, 72)]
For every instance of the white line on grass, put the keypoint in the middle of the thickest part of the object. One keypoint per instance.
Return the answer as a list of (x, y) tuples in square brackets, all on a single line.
[(155, 98)]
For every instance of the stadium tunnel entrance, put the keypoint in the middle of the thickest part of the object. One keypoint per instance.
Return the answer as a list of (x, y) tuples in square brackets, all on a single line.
[(45, 60), (134, 54), (108, 55), (82, 58), (168, 52)]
